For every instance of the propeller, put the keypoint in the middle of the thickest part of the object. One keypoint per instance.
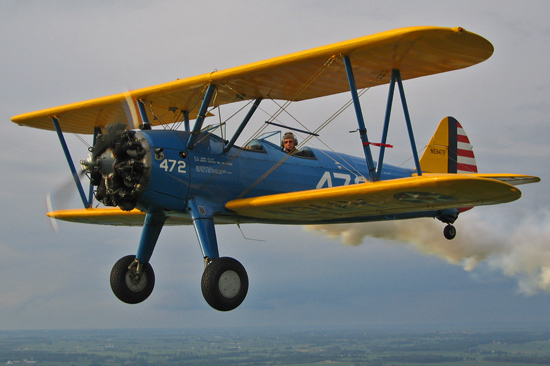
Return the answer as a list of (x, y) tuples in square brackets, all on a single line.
[(131, 111), (60, 198)]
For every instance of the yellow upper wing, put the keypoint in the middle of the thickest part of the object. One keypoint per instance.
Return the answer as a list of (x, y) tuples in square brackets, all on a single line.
[(415, 51), (398, 196)]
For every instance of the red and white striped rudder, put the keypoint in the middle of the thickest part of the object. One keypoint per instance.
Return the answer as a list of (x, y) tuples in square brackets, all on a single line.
[(449, 150)]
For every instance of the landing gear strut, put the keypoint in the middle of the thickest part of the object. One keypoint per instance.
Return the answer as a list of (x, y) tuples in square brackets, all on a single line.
[(224, 281)]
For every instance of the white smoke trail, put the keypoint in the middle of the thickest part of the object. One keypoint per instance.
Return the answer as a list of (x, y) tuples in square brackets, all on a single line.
[(520, 249)]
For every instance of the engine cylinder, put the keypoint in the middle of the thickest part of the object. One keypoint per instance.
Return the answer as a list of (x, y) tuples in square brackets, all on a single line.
[(119, 167)]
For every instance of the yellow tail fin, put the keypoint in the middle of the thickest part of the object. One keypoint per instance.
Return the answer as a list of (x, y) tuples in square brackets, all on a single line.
[(449, 150)]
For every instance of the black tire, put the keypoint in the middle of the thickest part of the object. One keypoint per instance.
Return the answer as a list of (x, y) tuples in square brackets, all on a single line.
[(128, 287), (449, 232), (224, 284)]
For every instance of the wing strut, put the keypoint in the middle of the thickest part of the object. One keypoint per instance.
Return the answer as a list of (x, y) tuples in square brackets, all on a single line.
[(396, 77), (360, 120), (200, 118), (374, 173), (243, 124), (85, 201), (186, 121), (386, 125), (408, 120), (146, 124), (97, 132)]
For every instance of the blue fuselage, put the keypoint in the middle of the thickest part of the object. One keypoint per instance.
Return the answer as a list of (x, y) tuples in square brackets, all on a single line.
[(213, 177)]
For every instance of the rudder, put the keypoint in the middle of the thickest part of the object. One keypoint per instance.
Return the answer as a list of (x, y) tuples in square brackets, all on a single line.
[(449, 150)]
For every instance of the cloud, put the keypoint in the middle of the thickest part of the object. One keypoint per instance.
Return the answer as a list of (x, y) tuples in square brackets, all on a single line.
[(519, 249)]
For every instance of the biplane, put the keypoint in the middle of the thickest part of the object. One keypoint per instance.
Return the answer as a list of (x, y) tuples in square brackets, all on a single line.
[(154, 162)]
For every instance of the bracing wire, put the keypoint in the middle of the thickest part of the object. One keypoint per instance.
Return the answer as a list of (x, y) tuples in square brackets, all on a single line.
[(313, 133), (272, 118), (177, 117), (82, 140), (284, 109), (409, 159)]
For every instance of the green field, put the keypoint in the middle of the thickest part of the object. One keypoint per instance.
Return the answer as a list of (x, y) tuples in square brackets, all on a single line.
[(274, 347)]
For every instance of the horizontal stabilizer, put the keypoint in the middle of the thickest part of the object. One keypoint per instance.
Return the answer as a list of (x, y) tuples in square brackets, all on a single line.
[(360, 201)]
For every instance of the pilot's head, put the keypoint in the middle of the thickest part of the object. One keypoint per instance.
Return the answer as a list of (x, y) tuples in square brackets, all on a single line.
[(289, 141)]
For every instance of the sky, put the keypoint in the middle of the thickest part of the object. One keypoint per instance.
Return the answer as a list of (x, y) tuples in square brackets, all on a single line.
[(496, 271)]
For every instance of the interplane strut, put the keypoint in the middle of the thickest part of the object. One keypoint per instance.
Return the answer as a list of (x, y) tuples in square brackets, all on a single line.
[(376, 173)]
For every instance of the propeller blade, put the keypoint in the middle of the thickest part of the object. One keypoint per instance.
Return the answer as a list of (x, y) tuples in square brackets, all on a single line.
[(131, 112), (60, 197), (50, 208)]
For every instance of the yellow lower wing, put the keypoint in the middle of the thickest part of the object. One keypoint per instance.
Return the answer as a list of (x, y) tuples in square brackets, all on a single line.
[(109, 216), (398, 196)]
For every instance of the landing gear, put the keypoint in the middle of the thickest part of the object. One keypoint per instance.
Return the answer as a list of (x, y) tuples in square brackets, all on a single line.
[(449, 232), (224, 283), (448, 217), (131, 281)]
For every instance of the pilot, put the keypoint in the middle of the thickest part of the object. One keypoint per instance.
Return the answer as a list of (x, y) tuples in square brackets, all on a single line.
[(289, 146), (289, 143)]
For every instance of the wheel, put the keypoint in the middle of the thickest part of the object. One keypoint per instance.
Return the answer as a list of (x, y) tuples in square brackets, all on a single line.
[(127, 285), (449, 232), (224, 284)]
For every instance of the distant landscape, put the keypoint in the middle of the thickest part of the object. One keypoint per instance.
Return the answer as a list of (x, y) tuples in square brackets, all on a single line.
[(275, 347)]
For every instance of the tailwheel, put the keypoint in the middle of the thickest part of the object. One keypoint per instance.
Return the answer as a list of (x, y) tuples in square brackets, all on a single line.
[(131, 281), (449, 232), (224, 283)]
